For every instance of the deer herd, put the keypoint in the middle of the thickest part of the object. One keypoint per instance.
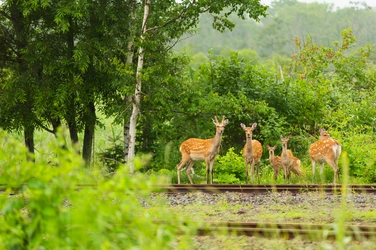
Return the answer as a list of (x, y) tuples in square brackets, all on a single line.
[(326, 149)]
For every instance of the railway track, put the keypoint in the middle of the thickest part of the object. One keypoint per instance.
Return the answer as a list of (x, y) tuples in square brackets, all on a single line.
[(288, 231), (222, 188), (269, 230), (243, 188)]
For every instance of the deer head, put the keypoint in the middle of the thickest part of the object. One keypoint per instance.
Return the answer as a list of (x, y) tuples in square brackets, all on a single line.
[(271, 149), (323, 134), (248, 130), (220, 125)]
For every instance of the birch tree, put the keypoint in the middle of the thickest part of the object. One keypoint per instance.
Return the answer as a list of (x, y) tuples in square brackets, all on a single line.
[(171, 20)]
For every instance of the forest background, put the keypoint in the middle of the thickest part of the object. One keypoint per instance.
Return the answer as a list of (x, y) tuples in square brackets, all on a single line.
[(303, 67)]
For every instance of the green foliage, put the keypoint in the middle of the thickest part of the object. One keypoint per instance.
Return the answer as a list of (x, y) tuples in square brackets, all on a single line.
[(285, 20), (229, 168), (361, 150), (198, 59), (249, 55), (44, 207), (68, 62), (113, 157)]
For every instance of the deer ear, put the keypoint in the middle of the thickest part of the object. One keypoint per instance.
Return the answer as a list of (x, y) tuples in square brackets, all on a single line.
[(225, 122), (254, 125), (281, 136), (242, 125)]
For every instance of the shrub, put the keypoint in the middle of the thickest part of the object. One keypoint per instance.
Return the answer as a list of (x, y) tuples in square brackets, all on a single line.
[(113, 156), (230, 168), (49, 210)]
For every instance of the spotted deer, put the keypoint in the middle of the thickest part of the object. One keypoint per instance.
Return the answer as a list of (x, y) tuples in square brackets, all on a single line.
[(295, 167), (328, 150), (287, 157), (194, 149), (252, 152), (276, 163)]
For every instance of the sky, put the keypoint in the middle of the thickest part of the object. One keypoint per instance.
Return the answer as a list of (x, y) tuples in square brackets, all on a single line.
[(337, 3)]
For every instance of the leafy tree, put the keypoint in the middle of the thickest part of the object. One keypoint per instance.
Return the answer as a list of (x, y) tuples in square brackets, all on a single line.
[(68, 51), (178, 19)]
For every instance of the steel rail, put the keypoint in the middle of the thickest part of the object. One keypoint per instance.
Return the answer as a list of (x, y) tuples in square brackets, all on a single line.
[(240, 188), (287, 231), (294, 188)]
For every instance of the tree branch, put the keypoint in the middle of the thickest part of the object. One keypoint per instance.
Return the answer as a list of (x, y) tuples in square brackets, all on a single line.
[(3, 13), (181, 15)]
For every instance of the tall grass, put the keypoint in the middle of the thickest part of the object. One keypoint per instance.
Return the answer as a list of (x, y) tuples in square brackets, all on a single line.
[(43, 206)]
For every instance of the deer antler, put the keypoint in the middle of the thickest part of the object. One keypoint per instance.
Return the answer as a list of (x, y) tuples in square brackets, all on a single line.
[(195, 149)]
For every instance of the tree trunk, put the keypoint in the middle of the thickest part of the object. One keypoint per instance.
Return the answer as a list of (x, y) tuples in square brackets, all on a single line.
[(136, 98), (29, 140), (128, 113), (126, 128), (71, 120), (18, 22), (89, 133), (71, 112)]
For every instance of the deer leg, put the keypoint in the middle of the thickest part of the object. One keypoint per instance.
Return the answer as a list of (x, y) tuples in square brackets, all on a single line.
[(253, 172), (207, 171), (275, 174), (246, 172), (313, 170), (335, 169), (179, 167), (257, 171), (188, 169), (211, 171), (322, 168)]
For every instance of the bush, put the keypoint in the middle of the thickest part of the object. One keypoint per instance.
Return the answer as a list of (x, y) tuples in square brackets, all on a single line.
[(47, 212), (113, 157), (230, 168)]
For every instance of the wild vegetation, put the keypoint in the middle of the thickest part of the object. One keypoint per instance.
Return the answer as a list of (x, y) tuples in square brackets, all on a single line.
[(101, 80), (71, 67)]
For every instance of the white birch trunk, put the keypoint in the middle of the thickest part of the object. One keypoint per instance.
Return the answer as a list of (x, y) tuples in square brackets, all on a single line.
[(137, 93), (127, 100)]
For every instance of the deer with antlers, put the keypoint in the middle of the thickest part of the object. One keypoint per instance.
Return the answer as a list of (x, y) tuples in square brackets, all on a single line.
[(328, 150), (194, 149), (252, 152), (276, 163)]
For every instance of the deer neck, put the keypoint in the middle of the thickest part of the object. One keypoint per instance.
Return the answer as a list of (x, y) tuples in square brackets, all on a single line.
[(284, 150), (271, 157), (249, 144), (217, 140)]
